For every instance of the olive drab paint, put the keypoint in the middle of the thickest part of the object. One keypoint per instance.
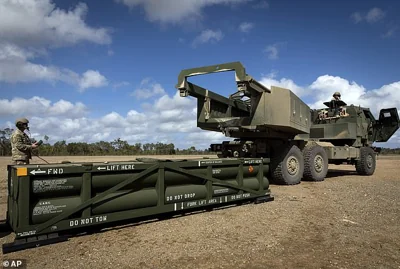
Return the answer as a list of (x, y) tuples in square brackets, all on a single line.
[(275, 123), (90, 194), (277, 111)]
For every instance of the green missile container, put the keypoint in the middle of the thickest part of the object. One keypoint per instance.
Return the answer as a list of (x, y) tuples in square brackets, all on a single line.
[(51, 199)]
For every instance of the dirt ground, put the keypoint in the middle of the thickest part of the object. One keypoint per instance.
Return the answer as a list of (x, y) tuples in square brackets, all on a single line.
[(346, 221)]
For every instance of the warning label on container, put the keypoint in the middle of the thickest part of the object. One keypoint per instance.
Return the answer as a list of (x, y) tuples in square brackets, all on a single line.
[(210, 162), (87, 221), (253, 161), (44, 208), (204, 202), (116, 167), (40, 186)]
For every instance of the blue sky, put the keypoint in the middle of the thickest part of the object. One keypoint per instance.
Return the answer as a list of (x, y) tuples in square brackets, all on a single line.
[(99, 70)]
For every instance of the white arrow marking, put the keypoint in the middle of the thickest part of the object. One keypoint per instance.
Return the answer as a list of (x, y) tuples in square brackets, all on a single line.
[(34, 172), (100, 168)]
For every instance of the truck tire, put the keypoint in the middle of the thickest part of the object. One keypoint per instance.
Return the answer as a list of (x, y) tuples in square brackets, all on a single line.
[(315, 163), (288, 166), (366, 164)]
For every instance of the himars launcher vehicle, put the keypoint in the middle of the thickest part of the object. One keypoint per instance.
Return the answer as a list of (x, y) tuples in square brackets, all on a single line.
[(276, 124)]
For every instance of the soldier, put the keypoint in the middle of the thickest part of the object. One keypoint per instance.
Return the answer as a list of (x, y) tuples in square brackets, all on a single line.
[(336, 96), (337, 109), (21, 144)]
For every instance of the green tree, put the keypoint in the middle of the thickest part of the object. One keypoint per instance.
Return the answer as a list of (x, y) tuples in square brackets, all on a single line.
[(5, 143)]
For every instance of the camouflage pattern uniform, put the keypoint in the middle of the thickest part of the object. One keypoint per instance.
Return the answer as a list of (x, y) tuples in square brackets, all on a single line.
[(21, 147)]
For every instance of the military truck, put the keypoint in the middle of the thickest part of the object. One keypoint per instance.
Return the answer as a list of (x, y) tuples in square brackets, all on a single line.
[(275, 123)]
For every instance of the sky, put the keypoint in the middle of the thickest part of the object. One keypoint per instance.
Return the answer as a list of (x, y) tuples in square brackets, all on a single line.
[(86, 71)]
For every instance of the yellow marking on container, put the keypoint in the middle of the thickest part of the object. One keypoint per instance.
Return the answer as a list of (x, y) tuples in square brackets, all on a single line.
[(22, 171)]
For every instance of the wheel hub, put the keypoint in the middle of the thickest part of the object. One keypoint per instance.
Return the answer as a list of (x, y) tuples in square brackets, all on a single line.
[(292, 165), (369, 161), (318, 163)]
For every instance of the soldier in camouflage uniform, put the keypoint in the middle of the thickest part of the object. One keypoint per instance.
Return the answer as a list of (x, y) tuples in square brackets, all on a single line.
[(338, 109), (21, 144)]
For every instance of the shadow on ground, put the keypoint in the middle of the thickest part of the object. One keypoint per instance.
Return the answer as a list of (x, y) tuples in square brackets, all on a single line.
[(340, 173)]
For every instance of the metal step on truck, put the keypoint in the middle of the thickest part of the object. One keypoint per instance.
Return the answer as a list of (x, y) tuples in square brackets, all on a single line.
[(274, 123)]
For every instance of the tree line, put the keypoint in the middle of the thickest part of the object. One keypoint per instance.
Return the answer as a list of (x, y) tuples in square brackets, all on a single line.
[(116, 147), (101, 148)]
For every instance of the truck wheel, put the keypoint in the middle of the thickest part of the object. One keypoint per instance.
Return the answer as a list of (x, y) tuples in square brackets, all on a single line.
[(288, 166), (367, 162), (315, 163)]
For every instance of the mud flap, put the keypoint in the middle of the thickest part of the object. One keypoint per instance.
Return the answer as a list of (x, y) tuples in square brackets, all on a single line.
[(387, 124)]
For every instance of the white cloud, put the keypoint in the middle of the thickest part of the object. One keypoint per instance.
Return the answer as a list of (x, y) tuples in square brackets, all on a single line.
[(135, 117), (356, 17), (203, 139), (261, 5), (148, 88), (269, 80), (92, 79), (245, 27), (176, 11), (389, 33), (15, 66), (121, 84), (37, 106), (273, 51), (167, 119), (372, 16), (166, 103), (208, 36), (113, 119), (108, 127), (28, 29), (110, 52), (40, 23), (178, 127), (326, 85)]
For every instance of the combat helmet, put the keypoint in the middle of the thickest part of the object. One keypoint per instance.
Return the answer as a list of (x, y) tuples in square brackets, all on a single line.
[(20, 121), (336, 94)]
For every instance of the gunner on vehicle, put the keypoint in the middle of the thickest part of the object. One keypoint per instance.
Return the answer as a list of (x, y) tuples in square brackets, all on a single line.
[(334, 104), (336, 96)]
